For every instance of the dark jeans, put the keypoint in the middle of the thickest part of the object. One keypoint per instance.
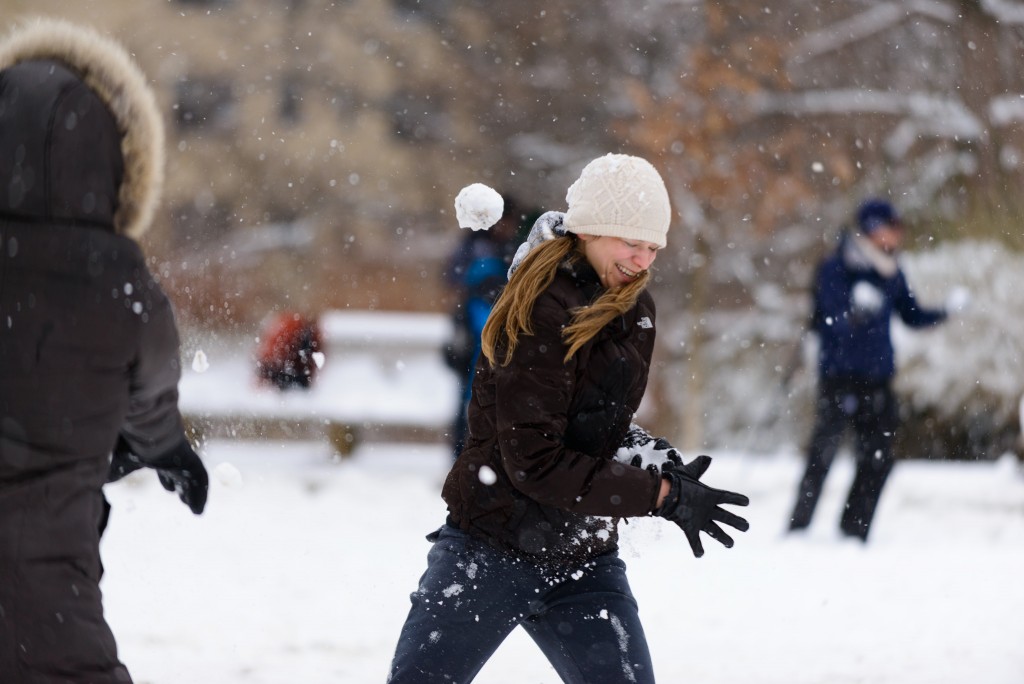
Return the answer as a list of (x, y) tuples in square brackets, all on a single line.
[(472, 596), (460, 428), (870, 409)]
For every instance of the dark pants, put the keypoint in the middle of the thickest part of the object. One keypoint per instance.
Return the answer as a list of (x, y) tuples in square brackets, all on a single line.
[(461, 426), (472, 596), (52, 628), (870, 409)]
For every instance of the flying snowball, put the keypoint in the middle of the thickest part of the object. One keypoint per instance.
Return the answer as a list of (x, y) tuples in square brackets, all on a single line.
[(199, 362), (478, 207), (228, 475)]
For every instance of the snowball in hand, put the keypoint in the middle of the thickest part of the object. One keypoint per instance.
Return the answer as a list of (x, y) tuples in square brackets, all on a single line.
[(867, 297), (478, 207), (958, 300)]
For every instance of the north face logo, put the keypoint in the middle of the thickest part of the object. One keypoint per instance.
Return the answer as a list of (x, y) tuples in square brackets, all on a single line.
[(645, 323)]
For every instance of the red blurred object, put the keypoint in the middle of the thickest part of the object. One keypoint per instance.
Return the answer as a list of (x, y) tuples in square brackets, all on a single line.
[(285, 356)]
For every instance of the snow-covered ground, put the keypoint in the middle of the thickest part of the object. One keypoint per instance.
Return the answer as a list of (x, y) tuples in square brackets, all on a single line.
[(300, 570)]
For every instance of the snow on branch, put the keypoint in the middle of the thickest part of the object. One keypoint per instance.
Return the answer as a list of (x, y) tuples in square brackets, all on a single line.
[(1006, 109), (876, 20), (929, 115), (538, 150), (1004, 11), (927, 176)]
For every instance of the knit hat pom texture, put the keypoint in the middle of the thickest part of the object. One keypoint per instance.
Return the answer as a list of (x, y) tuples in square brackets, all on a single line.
[(622, 196)]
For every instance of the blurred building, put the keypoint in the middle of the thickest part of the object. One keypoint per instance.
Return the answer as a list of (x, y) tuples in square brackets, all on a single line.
[(316, 147)]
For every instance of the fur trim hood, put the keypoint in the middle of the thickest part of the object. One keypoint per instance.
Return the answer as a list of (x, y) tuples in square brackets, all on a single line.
[(106, 68)]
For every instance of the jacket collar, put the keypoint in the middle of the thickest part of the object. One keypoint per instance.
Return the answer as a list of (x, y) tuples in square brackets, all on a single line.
[(583, 273), (860, 254)]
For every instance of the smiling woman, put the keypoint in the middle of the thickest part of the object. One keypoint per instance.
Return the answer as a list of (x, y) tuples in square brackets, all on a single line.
[(618, 262), (553, 459)]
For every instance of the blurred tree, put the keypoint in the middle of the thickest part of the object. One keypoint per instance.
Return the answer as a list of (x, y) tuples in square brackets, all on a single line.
[(316, 145)]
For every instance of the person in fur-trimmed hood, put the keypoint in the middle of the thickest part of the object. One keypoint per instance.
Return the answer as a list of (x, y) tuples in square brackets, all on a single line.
[(553, 460), (89, 362)]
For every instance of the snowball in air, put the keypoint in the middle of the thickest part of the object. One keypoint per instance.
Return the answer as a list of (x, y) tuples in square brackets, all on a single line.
[(478, 207), (199, 362), (228, 475)]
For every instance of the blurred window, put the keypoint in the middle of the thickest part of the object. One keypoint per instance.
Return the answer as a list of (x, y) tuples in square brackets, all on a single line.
[(417, 117), (424, 10), (205, 103), (203, 3)]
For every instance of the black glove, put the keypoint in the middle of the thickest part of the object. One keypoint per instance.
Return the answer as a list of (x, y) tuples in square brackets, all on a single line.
[(179, 469), (183, 471), (123, 461), (696, 508)]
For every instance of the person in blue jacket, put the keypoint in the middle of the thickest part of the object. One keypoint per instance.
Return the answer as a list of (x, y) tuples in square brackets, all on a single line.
[(858, 289), (477, 272)]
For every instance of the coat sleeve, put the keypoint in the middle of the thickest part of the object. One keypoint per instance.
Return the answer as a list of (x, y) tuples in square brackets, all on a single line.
[(153, 423), (533, 395), (910, 311)]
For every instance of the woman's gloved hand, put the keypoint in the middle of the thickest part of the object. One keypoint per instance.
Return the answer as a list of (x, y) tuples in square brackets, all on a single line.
[(696, 508)]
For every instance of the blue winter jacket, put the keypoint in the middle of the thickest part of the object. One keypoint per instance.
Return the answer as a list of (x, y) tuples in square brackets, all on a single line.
[(856, 343)]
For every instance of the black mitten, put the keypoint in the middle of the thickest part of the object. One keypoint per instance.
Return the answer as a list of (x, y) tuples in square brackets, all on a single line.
[(696, 508), (123, 461), (180, 469)]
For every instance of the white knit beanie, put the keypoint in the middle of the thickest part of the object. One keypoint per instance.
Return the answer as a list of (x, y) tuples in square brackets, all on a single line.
[(620, 196)]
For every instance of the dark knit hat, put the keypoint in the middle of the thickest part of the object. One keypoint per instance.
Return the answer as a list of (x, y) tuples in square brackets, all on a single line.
[(874, 213)]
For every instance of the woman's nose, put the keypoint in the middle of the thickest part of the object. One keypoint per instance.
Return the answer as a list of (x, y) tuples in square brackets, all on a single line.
[(644, 258)]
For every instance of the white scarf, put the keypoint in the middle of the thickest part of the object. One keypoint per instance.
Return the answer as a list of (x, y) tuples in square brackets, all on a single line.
[(547, 227), (862, 253)]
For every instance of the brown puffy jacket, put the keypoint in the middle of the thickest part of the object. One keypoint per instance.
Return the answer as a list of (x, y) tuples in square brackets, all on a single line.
[(536, 477)]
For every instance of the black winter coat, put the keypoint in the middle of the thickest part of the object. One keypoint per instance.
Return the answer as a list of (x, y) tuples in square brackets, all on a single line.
[(536, 477), (90, 346), (88, 343), (90, 350)]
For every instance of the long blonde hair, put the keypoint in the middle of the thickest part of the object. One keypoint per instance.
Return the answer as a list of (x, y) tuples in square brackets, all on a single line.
[(511, 315)]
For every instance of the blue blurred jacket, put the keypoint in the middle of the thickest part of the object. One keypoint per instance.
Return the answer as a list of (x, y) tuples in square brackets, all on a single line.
[(856, 343)]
